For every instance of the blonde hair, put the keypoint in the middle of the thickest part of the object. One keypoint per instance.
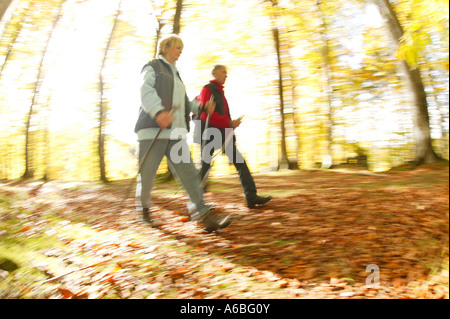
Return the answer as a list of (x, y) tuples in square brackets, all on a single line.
[(168, 43)]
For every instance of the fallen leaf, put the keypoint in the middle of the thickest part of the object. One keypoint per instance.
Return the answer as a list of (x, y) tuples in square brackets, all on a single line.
[(66, 293)]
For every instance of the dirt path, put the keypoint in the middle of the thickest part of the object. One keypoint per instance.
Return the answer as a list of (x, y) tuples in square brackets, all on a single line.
[(315, 239)]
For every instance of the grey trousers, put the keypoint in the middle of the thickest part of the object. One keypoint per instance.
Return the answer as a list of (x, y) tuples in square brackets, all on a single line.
[(185, 171)]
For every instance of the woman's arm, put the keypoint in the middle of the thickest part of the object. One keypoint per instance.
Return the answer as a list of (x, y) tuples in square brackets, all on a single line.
[(150, 100)]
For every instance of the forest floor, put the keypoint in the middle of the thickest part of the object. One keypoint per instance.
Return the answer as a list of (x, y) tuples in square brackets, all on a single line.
[(320, 237)]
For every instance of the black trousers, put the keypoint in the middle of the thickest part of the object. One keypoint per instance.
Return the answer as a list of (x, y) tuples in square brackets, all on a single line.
[(235, 157)]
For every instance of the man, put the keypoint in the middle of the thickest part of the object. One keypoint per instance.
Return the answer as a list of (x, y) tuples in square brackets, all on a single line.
[(221, 120)]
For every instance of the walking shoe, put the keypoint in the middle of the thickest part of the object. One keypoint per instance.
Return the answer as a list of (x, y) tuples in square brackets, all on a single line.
[(146, 217), (212, 220), (257, 200)]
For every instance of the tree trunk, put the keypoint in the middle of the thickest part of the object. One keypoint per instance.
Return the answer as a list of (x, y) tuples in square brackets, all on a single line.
[(158, 36), (4, 4), (8, 6), (281, 48), (169, 176), (29, 170), (327, 159), (422, 133), (8, 52), (102, 108), (440, 109), (283, 162), (161, 24), (177, 17)]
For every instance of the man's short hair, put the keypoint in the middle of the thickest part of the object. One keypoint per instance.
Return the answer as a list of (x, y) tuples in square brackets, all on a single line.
[(218, 67)]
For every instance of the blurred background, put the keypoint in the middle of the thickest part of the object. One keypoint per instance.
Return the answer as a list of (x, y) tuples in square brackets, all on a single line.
[(321, 84)]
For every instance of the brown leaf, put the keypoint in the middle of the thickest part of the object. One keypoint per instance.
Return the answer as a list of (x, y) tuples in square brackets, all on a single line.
[(180, 271), (65, 292)]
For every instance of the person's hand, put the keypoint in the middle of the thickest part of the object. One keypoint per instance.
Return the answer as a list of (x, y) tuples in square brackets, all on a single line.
[(164, 119), (210, 107), (235, 123)]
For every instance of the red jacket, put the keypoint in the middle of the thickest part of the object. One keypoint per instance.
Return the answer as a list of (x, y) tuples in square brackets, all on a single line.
[(216, 119)]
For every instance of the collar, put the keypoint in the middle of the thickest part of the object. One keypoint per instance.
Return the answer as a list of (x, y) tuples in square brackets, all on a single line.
[(217, 84), (164, 59)]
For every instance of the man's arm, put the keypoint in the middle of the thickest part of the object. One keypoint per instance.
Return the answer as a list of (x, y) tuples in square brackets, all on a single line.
[(216, 119)]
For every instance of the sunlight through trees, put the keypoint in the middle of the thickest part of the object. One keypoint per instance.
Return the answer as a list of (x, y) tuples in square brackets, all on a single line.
[(320, 83)]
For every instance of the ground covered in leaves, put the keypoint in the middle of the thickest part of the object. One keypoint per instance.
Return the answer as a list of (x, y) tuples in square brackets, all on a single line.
[(315, 239)]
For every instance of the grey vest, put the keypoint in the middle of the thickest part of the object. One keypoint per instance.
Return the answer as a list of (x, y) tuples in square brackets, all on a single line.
[(164, 84)]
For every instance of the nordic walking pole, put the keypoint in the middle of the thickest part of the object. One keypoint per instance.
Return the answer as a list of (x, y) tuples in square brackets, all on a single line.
[(202, 145), (205, 178), (141, 163), (202, 141), (211, 100), (225, 143)]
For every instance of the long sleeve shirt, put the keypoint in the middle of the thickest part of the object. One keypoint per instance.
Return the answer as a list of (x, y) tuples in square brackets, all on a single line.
[(151, 103), (216, 119)]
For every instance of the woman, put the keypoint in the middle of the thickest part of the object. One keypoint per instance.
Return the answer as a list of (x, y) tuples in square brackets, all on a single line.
[(164, 110)]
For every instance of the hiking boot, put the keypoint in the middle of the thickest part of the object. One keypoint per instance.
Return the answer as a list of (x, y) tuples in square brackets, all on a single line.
[(257, 200), (146, 217), (212, 220)]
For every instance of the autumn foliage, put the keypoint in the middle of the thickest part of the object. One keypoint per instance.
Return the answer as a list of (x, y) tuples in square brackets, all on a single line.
[(314, 240)]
